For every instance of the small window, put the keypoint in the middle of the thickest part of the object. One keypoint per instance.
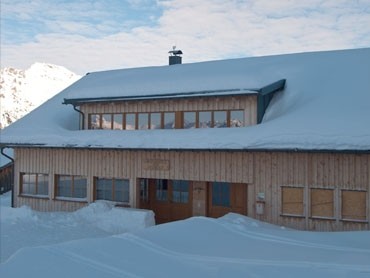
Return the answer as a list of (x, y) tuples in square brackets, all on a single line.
[(117, 121), (322, 202), (205, 119), (169, 120), (155, 121), (189, 120), (221, 194), (106, 122), (130, 121), (236, 118), (180, 191), (143, 121), (292, 201), (34, 184), (71, 186), (220, 119), (94, 122), (161, 188), (353, 205)]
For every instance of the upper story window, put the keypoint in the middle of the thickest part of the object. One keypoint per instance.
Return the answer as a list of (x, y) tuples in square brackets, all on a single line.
[(167, 120)]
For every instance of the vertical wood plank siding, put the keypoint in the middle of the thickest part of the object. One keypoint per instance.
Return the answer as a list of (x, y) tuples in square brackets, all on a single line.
[(263, 172)]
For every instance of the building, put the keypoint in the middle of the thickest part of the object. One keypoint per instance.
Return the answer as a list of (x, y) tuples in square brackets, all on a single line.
[(283, 139)]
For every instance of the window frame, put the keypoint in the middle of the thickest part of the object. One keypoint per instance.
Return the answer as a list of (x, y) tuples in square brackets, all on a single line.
[(113, 190), (323, 217), (366, 216), (282, 213), (37, 185), (73, 186)]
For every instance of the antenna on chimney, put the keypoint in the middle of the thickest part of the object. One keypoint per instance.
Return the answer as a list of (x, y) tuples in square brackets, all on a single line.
[(174, 57)]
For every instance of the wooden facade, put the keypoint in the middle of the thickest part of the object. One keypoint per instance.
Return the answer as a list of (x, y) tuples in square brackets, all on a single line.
[(330, 190), (247, 103)]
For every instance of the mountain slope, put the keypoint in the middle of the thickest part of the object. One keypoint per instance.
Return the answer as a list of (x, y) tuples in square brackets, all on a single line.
[(23, 90)]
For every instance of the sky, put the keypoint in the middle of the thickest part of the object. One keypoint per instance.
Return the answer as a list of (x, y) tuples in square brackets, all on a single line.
[(93, 35)]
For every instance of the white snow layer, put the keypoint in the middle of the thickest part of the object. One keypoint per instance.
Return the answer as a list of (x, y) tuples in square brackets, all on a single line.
[(325, 105), (230, 246)]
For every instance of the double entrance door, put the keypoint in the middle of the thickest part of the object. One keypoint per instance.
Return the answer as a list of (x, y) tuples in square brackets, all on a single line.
[(170, 200)]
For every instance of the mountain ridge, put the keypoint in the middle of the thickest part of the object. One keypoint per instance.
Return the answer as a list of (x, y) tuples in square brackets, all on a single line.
[(21, 91)]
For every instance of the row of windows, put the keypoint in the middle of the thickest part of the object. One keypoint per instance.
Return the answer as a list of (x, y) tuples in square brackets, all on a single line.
[(167, 120), (75, 187), (353, 203)]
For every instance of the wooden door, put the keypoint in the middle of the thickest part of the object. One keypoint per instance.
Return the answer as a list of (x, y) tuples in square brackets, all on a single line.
[(224, 197), (170, 200)]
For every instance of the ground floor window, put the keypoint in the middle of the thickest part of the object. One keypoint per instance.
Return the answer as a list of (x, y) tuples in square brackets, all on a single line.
[(34, 184), (71, 186), (292, 201), (221, 194), (117, 190), (353, 205), (322, 202), (180, 191)]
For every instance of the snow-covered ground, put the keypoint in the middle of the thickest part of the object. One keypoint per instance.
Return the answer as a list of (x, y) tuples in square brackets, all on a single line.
[(100, 241)]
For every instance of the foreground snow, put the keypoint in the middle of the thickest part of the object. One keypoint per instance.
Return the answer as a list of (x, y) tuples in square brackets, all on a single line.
[(231, 246)]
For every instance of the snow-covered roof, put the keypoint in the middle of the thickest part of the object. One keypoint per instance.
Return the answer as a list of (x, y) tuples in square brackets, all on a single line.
[(325, 105)]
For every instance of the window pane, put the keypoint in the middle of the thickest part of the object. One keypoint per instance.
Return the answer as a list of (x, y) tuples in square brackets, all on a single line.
[(130, 121), (221, 194), (236, 118), (220, 119), (322, 202), (122, 190), (144, 189), (161, 190), (205, 119), (104, 189), (29, 184), (189, 120), (64, 186), (43, 184), (107, 121), (117, 121), (354, 205), (80, 187), (155, 120), (180, 191), (143, 120), (292, 200), (94, 121), (169, 120)]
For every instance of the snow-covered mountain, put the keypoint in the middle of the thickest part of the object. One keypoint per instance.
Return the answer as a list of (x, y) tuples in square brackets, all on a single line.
[(23, 90)]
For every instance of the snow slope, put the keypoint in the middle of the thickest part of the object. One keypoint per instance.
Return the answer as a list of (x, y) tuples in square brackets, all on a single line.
[(231, 246), (325, 105), (23, 90)]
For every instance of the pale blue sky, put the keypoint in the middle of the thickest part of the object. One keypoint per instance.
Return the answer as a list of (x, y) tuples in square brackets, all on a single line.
[(93, 35)]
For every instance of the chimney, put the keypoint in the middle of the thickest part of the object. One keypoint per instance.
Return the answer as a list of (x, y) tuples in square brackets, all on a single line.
[(174, 57)]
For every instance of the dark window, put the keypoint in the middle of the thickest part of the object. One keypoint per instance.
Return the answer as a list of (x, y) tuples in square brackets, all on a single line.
[(180, 191), (143, 121), (221, 194), (220, 119), (169, 120), (205, 119), (71, 186), (161, 189), (189, 119), (144, 189), (155, 121), (117, 190)]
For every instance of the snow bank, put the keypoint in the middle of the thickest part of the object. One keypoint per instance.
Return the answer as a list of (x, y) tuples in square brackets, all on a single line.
[(23, 227)]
